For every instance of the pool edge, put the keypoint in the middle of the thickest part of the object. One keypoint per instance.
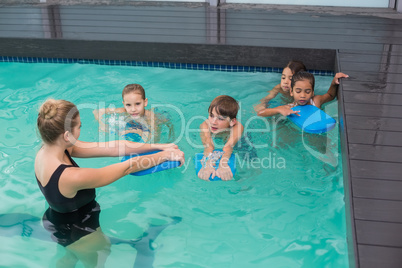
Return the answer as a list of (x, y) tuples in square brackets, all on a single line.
[(347, 183)]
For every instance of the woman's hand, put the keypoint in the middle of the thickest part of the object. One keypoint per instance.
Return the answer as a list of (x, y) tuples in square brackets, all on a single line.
[(174, 154), (148, 161), (98, 114), (103, 127)]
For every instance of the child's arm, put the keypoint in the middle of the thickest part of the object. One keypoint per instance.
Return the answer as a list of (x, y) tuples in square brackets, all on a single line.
[(206, 138), (171, 130), (263, 102), (99, 113), (155, 122), (332, 91), (209, 167), (223, 170), (162, 120), (283, 110)]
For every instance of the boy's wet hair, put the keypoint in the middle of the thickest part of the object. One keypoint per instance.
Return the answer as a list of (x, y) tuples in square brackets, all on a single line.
[(303, 76), (224, 105), (296, 66), (134, 88)]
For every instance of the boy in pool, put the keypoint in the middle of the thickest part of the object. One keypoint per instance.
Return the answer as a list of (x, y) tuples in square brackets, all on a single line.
[(283, 88), (302, 91), (221, 123), (145, 123)]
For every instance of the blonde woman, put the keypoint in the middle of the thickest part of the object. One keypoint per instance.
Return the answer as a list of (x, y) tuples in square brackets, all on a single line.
[(73, 214)]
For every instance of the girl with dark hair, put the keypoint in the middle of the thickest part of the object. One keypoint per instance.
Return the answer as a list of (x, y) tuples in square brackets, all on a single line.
[(283, 87), (302, 91)]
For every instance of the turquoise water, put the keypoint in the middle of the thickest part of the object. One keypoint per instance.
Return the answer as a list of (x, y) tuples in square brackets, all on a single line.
[(284, 208)]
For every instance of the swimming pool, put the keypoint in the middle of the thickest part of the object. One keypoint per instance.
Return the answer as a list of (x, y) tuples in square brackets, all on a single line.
[(285, 207)]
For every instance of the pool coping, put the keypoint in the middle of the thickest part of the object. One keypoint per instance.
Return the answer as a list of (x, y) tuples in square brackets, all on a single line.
[(348, 196)]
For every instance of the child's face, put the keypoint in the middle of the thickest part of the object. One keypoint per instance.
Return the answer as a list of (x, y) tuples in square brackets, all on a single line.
[(286, 79), (218, 123), (302, 92), (134, 104)]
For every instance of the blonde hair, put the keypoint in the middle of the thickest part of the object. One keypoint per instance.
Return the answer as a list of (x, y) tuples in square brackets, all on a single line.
[(55, 117)]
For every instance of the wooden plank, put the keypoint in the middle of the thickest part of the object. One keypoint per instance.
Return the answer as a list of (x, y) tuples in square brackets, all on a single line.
[(255, 13), (377, 153), (373, 137), (326, 39), (383, 111), (372, 98), (388, 50), (375, 256), (371, 87), (379, 233), (301, 43), (370, 58), (378, 210), (376, 170), (321, 29), (380, 189), (373, 77), (373, 123), (374, 67)]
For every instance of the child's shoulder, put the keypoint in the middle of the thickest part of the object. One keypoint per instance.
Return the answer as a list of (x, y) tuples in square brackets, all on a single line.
[(204, 124), (276, 88), (120, 110), (238, 124)]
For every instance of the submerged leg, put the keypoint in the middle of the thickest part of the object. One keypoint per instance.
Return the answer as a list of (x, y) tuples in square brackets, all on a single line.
[(145, 251), (21, 224), (92, 250), (18, 224)]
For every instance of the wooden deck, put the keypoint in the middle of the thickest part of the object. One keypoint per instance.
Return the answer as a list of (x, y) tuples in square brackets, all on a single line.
[(364, 43)]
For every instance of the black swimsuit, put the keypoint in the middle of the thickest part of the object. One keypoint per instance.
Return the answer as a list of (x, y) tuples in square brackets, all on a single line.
[(56, 200), (69, 219)]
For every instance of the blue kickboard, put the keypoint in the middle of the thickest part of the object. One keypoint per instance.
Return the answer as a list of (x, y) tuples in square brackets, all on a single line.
[(198, 165), (312, 119), (162, 166)]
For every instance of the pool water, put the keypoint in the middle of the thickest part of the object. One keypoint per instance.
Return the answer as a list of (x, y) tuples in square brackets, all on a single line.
[(284, 208)]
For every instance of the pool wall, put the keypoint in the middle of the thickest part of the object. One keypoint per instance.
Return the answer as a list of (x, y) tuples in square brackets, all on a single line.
[(319, 59), (347, 185)]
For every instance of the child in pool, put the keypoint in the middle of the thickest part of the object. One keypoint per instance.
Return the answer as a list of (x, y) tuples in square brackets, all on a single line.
[(302, 91), (283, 88), (221, 123), (145, 123)]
